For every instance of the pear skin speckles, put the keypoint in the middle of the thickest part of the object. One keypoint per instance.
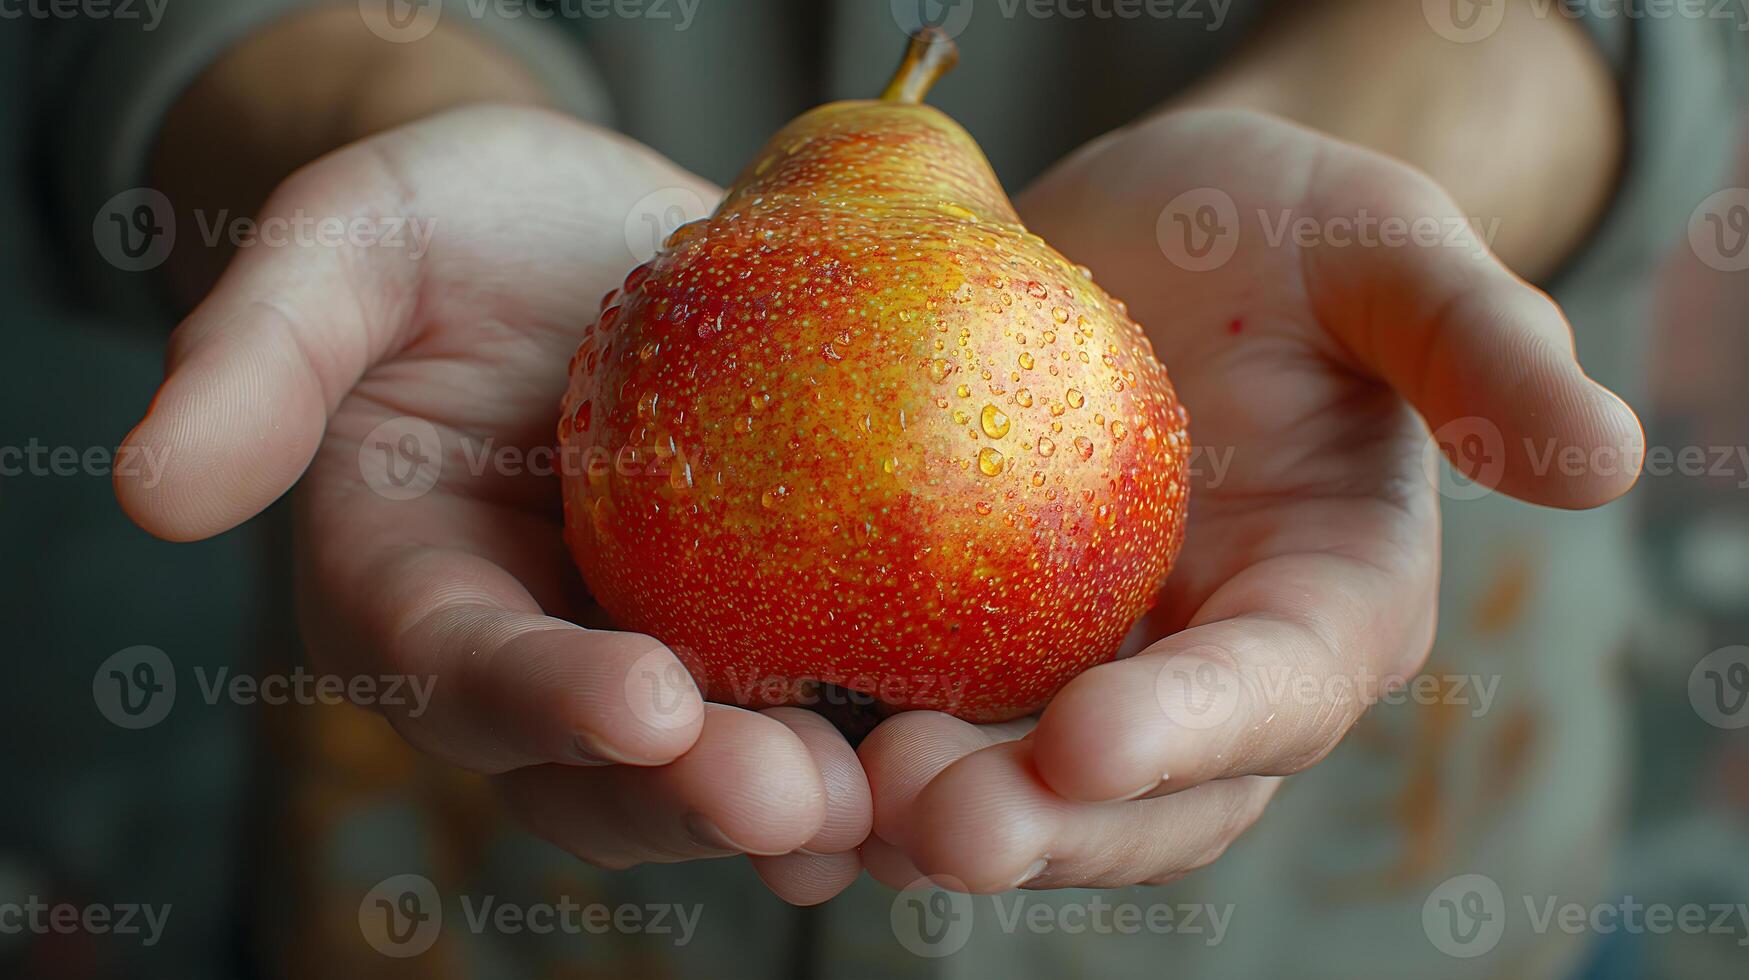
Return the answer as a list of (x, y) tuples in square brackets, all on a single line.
[(861, 427)]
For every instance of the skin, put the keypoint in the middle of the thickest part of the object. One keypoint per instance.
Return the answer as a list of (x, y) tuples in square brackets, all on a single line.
[(1319, 551), (1316, 558)]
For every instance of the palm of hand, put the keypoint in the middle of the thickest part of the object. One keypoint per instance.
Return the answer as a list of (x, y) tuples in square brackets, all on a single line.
[(1300, 321), (442, 557)]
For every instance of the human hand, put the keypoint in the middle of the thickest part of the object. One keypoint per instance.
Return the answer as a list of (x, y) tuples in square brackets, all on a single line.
[(1311, 562), (291, 368)]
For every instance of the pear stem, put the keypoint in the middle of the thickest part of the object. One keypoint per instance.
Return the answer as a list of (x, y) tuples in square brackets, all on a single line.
[(930, 55)]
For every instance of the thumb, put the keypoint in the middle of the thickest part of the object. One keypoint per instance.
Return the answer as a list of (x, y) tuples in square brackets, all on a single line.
[(1486, 359), (253, 373)]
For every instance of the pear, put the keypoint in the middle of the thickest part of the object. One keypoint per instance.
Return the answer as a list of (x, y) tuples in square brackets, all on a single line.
[(860, 428)]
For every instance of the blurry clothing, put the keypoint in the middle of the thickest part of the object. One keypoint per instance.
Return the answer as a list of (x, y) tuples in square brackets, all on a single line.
[(1517, 774)]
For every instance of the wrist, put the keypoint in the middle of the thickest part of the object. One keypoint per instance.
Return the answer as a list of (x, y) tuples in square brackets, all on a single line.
[(1523, 128), (295, 90)]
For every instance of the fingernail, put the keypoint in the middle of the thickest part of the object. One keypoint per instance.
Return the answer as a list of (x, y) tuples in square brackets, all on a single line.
[(1038, 868), (583, 753), (705, 833), (1137, 794)]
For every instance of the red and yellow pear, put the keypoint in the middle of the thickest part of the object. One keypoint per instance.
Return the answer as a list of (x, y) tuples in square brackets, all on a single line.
[(860, 427)]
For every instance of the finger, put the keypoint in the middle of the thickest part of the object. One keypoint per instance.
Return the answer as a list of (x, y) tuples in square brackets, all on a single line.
[(1471, 346), (256, 369), (909, 749), (1048, 842), (253, 373), (504, 685), (1273, 671), (748, 786), (849, 811), (888, 863), (808, 879)]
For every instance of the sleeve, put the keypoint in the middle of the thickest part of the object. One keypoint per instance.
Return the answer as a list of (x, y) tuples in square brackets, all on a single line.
[(1680, 75), (105, 84)]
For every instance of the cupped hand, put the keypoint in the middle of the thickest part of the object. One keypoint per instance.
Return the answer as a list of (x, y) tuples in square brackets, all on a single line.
[(1320, 308), (407, 366)]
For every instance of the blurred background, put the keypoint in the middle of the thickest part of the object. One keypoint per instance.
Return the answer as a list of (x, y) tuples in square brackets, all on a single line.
[(259, 829)]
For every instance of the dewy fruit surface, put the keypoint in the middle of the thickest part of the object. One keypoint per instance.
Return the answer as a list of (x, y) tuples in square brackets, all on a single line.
[(860, 426)]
